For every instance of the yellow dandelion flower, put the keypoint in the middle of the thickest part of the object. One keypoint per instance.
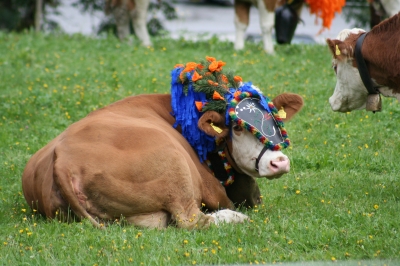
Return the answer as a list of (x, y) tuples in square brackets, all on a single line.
[(297, 192), (185, 241), (376, 206)]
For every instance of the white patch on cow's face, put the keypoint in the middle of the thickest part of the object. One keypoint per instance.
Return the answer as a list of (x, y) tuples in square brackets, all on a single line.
[(350, 92), (245, 150)]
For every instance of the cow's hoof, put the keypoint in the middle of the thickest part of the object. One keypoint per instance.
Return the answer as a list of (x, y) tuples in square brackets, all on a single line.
[(229, 216)]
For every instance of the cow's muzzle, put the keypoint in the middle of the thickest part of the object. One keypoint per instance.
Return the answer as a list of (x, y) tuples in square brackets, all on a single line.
[(277, 167)]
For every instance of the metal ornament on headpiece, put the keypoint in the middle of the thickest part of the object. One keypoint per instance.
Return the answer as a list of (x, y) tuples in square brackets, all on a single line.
[(200, 87)]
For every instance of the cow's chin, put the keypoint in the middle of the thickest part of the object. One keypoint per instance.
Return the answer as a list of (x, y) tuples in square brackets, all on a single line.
[(344, 105), (274, 177)]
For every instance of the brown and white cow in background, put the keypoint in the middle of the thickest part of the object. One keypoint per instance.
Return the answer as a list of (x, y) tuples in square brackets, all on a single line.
[(381, 52), (379, 9), (125, 11), (127, 160)]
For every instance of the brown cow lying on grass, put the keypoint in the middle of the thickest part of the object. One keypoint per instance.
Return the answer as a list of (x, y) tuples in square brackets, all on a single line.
[(379, 55), (130, 159)]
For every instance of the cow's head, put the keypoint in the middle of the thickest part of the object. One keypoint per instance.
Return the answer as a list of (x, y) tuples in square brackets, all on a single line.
[(245, 147), (210, 104), (350, 92)]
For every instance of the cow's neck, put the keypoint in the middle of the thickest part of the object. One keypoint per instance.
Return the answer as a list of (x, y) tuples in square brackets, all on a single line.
[(223, 166), (381, 52)]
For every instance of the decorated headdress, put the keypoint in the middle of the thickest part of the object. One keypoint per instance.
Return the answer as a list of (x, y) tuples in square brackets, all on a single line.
[(200, 87)]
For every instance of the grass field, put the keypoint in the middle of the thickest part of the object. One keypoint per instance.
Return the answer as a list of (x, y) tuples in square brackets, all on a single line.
[(340, 201)]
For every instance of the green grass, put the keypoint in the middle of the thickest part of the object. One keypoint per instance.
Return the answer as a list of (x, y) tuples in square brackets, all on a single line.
[(340, 200)]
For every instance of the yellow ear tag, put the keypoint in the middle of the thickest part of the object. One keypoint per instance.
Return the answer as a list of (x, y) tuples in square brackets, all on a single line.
[(217, 129), (282, 113), (337, 50)]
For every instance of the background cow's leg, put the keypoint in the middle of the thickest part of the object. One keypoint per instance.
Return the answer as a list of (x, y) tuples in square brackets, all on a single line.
[(242, 11), (266, 9), (121, 16), (139, 21)]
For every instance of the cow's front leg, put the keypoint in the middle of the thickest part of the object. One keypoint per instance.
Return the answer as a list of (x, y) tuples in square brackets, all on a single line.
[(121, 16), (242, 11), (139, 21), (228, 216), (266, 9)]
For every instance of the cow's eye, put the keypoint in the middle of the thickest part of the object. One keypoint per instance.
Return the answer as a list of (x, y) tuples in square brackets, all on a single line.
[(237, 128), (335, 68)]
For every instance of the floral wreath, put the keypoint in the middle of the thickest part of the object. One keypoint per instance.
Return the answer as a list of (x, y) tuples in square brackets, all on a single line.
[(205, 86)]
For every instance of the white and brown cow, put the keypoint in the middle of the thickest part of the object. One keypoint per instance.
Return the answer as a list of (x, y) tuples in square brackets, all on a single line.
[(135, 11), (127, 160), (381, 54)]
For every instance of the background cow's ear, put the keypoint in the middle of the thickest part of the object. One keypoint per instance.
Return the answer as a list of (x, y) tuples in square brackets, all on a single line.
[(291, 103), (338, 49), (213, 124)]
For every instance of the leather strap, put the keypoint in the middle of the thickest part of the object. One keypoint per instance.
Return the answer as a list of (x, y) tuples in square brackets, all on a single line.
[(362, 66), (259, 157)]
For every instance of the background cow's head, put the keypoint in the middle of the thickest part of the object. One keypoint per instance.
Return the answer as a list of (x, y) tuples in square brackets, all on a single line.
[(350, 92), (245, 148)]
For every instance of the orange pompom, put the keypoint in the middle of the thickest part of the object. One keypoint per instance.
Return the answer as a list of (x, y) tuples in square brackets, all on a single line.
[(325, 9)]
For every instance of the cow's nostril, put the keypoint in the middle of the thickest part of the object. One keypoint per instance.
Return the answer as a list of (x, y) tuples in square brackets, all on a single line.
[(280, 165)]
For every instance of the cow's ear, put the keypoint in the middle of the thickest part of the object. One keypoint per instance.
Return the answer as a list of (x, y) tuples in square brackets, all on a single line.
[(213, 124), (290, 103), (338, 49)]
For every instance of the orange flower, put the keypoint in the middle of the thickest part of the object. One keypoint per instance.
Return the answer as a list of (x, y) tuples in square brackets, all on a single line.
[(210, 59), (182, 76), (220, 65), (237, 79), (178, 65), (212, 83), (196, 76), (213, 66), (190, 66), (200, 66), (217, 96), (224, 78), (199, 105)]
